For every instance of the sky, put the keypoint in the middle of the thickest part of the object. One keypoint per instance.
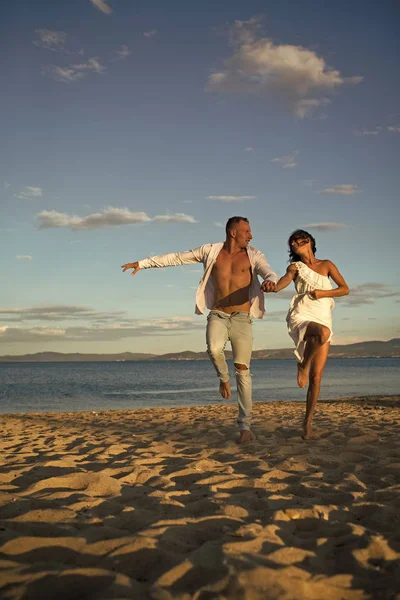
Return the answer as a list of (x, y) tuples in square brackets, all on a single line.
[(134, 128)]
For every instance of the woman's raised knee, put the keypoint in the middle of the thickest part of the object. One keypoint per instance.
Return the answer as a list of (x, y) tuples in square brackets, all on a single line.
[(324, 335)]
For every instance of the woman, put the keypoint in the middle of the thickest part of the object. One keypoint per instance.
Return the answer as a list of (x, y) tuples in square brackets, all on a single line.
[(310, 314)]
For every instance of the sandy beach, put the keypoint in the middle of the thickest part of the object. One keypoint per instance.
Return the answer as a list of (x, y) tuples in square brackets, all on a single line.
[(162, 504)]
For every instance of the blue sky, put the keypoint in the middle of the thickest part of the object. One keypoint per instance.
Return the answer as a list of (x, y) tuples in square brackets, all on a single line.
[(132, 128)]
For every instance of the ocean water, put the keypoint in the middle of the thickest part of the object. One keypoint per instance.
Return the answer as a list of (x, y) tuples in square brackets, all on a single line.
[(40, 387)]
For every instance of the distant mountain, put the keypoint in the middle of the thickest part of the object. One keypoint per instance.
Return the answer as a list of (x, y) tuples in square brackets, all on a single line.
[(75, 357), (375, 349)]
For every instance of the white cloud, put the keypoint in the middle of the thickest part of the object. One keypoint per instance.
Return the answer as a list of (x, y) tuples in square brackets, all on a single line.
[(123, 52), (325, 226), (249, 149), (24, 257), (102, 6), (108, 217), (30, 192), (286, 162), (73, 72), (258, 66), (345, 189), (175, 218), (50, 40), (219, 224), (394, 128), (151, 33), (231, 198)]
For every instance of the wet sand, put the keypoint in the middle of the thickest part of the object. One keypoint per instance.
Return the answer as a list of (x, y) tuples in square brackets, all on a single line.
[(162, 504)]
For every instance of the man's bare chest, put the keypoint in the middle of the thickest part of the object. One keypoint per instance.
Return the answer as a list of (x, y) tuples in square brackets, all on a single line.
[(229, 267)]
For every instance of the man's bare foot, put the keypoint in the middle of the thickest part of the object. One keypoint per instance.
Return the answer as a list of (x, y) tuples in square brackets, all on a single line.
[(302, 375), (245, 437), (225, 389), (308, 433)]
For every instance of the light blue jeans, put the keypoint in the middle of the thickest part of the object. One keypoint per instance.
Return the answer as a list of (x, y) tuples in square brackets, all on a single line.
[(236, 328)]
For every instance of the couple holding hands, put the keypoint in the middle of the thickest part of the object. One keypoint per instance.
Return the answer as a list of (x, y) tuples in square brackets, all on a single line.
[(230, 289)]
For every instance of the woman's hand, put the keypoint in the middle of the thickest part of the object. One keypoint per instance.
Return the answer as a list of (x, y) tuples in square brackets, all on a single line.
[(316, 294)]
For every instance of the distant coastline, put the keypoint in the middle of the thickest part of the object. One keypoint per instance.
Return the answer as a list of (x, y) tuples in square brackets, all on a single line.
[(373, 349)]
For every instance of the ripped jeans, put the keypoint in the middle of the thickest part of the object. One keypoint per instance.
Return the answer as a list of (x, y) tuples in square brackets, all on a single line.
[(236, 328)]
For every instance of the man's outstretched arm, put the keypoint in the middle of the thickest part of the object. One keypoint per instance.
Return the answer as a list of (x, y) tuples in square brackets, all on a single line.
[(166, 260), (134, 266)]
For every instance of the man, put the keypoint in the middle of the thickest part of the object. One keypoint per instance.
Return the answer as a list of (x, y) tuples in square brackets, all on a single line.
[(231, 290)]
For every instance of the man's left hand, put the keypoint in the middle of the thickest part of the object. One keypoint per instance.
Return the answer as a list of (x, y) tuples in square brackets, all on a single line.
[(268, 286)]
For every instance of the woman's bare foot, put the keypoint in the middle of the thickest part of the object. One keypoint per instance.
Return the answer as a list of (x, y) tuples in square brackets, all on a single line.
[(245, 437), (302, 375), (308, 432), (225, 389)]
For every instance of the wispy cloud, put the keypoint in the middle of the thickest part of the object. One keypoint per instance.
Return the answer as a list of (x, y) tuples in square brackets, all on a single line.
[(50, 40), (73, 72), (345, 189), (231, 198), (102, 6), (377, 130), (58, 312), (128, 328), (368, 293), (249, 149), (108, 217), (23, 257), (286, 162), (374, 131), (151, 33), (309, 182), (325, 226), (122, 52), (258, 66), (30, 192)]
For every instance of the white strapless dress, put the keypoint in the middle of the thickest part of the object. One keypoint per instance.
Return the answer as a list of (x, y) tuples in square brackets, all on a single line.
[(304, 309)]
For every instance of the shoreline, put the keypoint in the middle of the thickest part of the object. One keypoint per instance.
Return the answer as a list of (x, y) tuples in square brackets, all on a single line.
[(385, 398), (162, 504), (18, 360)]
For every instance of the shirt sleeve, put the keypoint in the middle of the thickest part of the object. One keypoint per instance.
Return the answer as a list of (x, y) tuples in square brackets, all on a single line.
[(173, 260), (263, 269)]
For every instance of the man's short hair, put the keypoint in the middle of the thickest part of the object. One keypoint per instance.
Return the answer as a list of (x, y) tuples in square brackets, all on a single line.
[(234, 221)]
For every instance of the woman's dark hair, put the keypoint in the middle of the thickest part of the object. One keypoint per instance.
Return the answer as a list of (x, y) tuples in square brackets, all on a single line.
[(303, 235)]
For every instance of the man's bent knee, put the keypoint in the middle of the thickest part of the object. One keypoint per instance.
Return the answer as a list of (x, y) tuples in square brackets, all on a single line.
[(215, 350), (240, 367)]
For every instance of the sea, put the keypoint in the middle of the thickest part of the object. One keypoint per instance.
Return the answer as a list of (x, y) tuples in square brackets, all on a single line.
[(97, 386)]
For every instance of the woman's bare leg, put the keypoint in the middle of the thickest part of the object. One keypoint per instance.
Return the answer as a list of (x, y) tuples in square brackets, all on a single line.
[(316, 369), (315, 337)]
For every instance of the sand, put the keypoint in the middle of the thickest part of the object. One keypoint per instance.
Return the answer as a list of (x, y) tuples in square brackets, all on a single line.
[(162, 504)]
